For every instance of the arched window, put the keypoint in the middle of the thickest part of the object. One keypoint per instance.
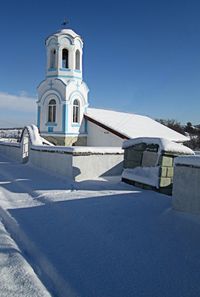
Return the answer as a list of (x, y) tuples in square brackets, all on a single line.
[(76, 111), (52, 111), (65, 58), (53, 58), (77, 66)]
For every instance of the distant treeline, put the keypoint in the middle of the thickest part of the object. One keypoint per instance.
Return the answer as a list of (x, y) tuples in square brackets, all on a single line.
[(190, 130)]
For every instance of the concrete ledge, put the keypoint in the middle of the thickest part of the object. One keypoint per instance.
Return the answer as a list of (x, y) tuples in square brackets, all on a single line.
[(186, 188)]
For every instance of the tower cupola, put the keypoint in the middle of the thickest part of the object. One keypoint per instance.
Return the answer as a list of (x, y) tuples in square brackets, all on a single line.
[(64, 55)]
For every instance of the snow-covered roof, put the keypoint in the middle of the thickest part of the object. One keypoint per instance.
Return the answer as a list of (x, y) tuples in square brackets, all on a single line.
[(164, 145), (133, 125)]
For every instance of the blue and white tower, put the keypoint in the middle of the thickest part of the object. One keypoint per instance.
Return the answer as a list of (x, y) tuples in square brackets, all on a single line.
[(63, 95)]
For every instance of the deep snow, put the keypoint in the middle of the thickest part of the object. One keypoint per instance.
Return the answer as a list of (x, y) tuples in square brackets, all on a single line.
[(99, 238)]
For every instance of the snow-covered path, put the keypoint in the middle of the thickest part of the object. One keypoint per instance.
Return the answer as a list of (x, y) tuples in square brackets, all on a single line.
[(16, 276), (99, 239)]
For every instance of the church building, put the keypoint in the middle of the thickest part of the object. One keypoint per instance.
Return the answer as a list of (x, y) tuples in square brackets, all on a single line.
[(63, 116)]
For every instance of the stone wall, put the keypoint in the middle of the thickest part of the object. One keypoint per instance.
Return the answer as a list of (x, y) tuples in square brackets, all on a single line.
[(133, 156), (166, 164), (143, 155)]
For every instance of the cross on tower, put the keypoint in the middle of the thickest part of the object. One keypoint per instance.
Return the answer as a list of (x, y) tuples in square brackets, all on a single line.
[(64, 24)]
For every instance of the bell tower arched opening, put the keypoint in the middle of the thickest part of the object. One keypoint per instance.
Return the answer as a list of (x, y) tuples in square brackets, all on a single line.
[(52, 111), (65, 58), (53, 58), (77, 59)]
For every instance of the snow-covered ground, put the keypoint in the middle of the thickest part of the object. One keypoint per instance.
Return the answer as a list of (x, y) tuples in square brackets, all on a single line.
[(92, 239), (17, 278)]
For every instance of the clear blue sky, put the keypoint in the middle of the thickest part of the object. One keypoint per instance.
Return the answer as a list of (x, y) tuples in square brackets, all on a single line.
[(139, 56)]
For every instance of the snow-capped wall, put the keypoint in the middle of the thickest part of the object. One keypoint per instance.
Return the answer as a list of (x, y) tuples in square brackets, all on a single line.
[(164, 145), (186, 191), (78, 163), (149, 161)]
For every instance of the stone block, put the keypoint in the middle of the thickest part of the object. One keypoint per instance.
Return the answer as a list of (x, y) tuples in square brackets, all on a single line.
[(131, 164), (167, 161), (132, 157), (140, 147), (165, 182), (163, 171), (170, 172), (149, 159)]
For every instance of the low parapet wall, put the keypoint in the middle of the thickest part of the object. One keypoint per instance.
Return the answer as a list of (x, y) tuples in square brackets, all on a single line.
[(186, 188), (75, 163), (11, 150), (78, 163)]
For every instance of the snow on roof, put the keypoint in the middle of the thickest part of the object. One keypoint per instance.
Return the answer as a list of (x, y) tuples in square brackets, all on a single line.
[(188, 160), (133, 125), (164, 144)]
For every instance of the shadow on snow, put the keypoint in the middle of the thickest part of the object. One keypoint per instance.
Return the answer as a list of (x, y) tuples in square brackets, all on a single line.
[(119, 245)]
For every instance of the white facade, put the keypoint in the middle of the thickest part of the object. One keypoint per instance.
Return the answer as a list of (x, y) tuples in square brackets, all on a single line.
[(63, 96), (98, 136)]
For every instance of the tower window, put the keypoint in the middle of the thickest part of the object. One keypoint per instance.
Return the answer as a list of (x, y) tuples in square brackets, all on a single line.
[(76, 111), (53, 58), (65, 58), (52, 111), (77, 66)]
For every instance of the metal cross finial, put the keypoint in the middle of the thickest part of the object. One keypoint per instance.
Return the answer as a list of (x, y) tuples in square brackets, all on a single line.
[(64, 24)]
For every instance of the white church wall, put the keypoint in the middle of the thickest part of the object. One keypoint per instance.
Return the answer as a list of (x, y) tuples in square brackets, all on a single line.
[(57, 127), (97, 136)]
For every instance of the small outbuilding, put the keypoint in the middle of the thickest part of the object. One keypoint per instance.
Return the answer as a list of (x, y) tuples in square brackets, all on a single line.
[(148, 162)]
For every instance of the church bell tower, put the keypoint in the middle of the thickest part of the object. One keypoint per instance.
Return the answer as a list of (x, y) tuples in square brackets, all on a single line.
[(63, 95)]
